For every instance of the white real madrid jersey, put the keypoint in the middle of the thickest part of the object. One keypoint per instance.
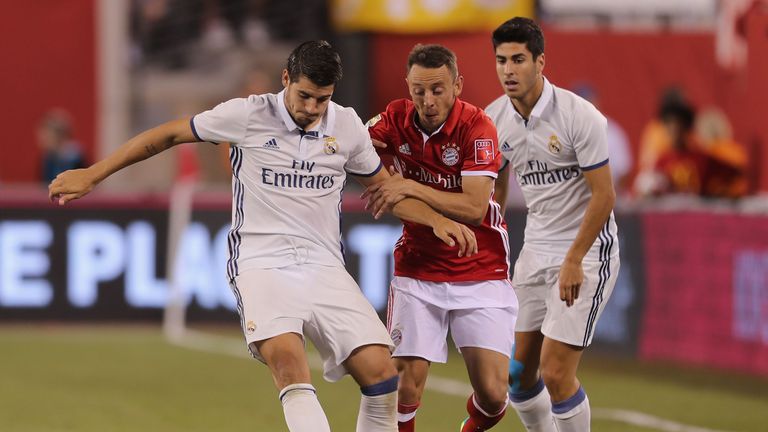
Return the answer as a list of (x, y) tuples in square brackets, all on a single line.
[(564, 136), (286, 182)]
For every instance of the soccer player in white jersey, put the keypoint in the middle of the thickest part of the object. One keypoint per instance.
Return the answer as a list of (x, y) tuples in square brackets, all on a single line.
[(290, 154), (555, 144)]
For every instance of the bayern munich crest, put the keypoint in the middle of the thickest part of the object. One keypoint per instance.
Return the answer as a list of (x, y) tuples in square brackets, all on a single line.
[(450, 154), (397, 336)]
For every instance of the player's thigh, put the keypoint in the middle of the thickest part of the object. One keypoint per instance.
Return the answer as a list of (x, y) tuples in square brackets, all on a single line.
[(286, 358), (533, 276), (342, 320), (489, 328), (270, 302), (418, 328), (575, 325)]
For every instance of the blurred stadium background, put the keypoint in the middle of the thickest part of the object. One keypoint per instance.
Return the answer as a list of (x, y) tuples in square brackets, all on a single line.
[(86, 291)]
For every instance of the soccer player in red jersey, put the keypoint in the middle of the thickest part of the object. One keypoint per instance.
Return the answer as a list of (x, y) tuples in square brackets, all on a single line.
[(444, 152)]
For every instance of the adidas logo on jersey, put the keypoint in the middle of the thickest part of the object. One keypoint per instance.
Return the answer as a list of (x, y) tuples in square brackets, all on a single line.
[(271, 144), (506, 146), (405, 149)]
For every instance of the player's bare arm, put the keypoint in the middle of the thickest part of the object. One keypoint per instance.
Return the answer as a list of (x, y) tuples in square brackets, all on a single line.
[(598, 210), (378, 144), (74, 184), (468, 206), (412, 210), (501, 187)]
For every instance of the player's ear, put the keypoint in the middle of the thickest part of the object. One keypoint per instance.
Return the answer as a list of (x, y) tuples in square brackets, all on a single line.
[(540, 62), (459, 84), (286, 78)]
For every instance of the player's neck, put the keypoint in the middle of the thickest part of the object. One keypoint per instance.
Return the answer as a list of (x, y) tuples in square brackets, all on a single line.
[(525, 104)]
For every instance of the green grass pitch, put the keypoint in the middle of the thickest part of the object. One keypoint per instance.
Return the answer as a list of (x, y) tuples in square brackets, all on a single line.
[(128, 378)]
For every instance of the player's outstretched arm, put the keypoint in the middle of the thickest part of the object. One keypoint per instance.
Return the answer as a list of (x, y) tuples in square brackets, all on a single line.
[(74, 184), (468, 206), (450, 232), (598, 210)]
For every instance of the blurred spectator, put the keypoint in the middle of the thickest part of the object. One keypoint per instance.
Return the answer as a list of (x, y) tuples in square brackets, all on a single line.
[(655, 139), (727, 176), (682, 167), (619, 153), (701, 160), (60, 152)]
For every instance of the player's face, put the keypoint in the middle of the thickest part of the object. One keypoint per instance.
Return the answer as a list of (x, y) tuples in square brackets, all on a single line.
[(518, 72), (433, 92), (305, 100)]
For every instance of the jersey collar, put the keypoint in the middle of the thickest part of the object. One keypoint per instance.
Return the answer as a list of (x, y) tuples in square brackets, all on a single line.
[(323, 128), (447, 127), (541, 104)]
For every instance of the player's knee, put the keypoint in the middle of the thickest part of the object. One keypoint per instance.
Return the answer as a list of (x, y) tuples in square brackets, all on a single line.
[(492, 397), (555, 377), (287, 370), (409, 391)]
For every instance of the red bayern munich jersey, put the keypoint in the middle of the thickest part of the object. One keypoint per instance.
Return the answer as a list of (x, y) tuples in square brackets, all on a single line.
[(466, 145)]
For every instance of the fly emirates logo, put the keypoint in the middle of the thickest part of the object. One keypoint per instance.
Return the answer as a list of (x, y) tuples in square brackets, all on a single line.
[(300, 178)]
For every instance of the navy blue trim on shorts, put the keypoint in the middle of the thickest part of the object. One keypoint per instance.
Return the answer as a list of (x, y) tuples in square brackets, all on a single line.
[(376, 171), (595, 166), (240, 313), (604, 274)]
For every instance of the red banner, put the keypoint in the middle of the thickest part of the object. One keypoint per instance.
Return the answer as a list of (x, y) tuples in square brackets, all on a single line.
[(706, 290)]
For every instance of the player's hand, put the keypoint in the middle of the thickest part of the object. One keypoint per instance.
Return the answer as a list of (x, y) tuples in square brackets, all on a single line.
[(570, 280), (378, 144), (384, 195), (71, 185), (452, 233)]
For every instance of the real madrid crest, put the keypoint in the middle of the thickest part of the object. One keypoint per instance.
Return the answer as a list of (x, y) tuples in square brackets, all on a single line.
[(450, 155), (330, 145), (250, 327), (375, 119), (554, 144)]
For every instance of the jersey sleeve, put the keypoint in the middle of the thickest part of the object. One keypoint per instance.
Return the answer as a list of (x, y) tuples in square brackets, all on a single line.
[(363, 160), (382, 127), (590, 139), (227, 122), (480, 148)]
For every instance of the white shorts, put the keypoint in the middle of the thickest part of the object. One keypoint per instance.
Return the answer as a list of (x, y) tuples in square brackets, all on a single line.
[(420, 313), (320, 302), (536, 283)]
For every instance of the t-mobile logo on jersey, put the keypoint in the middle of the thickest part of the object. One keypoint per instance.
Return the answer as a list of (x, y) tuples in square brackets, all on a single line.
[(422, 175), (541, 175)]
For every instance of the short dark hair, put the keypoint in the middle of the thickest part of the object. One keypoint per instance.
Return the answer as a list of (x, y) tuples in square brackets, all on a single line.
[(433, 56), (679, 111), (317, 61), (520, 30)]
